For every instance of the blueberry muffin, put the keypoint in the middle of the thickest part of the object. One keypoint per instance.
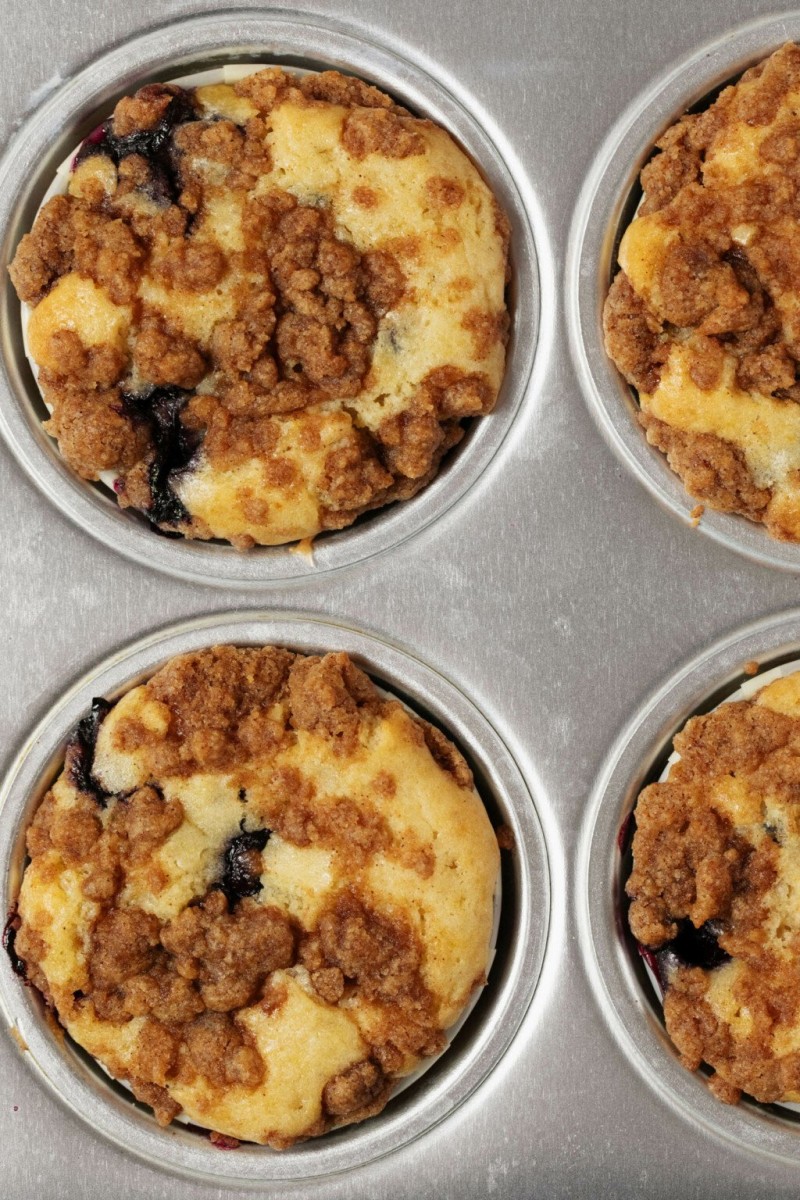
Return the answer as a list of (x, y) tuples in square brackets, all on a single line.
[(265, 307), (703, 318), (259, 892), (714, 887)]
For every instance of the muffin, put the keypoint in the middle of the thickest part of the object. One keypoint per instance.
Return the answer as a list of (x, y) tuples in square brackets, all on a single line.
[(265, 307), (259, 892), (703, 318), (713, 891)]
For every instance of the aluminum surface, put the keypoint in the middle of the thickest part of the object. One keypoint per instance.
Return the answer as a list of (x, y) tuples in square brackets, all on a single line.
[(557, 594)]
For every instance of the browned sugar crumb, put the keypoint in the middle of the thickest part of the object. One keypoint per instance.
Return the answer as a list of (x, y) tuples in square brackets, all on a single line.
[(448, 757), (158, 1098), (691, 863), (328, 694), (713, 470), (752, 667), (357, 1092), (505, 837), (269, 87), (632, 335), (222, 1142)]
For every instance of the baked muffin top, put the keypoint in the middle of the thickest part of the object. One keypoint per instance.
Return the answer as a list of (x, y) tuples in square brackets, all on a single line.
[(259, 892), (714, 887), (263, 308), (703, 318)]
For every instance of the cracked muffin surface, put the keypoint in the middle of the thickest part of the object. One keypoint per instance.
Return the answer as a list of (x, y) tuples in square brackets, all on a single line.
[(259, 892), (714, 893), (265, 307), (703, 318)]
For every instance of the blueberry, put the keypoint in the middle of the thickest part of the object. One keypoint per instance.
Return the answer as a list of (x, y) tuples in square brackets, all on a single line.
[(238, 878), (9, 939), (154, 145), (175, 446), (93, 144), (693, 947), (79, 758)]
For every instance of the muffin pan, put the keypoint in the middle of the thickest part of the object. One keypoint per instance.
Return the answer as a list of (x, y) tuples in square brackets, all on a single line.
[(529, 601)]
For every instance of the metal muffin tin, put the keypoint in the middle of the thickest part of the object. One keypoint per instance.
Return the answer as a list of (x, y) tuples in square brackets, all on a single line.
[(53, 132), (489, 1027), (529, 600)]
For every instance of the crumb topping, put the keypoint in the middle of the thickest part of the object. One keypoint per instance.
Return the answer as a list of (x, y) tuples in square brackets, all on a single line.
[(253, 852), (311, 278), (702, 318), (712, 893)]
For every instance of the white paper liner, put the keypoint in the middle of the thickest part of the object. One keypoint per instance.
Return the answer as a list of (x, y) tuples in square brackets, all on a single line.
[(745, 691)]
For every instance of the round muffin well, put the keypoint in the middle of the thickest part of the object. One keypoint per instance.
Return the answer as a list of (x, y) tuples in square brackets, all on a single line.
[(259, 892), (713, 889), (701, 319)]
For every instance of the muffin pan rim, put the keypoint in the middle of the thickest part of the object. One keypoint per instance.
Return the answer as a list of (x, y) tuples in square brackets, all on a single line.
[(273, 35), (503, 1006), (627, 1006), (597, 224)]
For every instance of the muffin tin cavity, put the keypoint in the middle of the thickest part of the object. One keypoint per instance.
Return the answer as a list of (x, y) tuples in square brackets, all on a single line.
[(623, 975), (477, 1044), (607, 204), (188, 50)]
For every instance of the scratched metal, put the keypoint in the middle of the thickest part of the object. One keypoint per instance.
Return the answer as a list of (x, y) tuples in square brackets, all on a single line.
[(557, 594)]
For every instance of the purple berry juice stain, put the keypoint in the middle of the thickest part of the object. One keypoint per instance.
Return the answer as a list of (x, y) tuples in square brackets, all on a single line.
[(79, 757), (237, 879)]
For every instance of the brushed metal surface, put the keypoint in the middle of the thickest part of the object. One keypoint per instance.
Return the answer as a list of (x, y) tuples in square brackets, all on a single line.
[(557, 594)]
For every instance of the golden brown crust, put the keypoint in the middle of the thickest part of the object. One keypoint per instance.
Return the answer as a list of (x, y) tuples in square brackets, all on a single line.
[(713, 470), (176, 960), (632, 335), (228, 319), (713, 852)]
